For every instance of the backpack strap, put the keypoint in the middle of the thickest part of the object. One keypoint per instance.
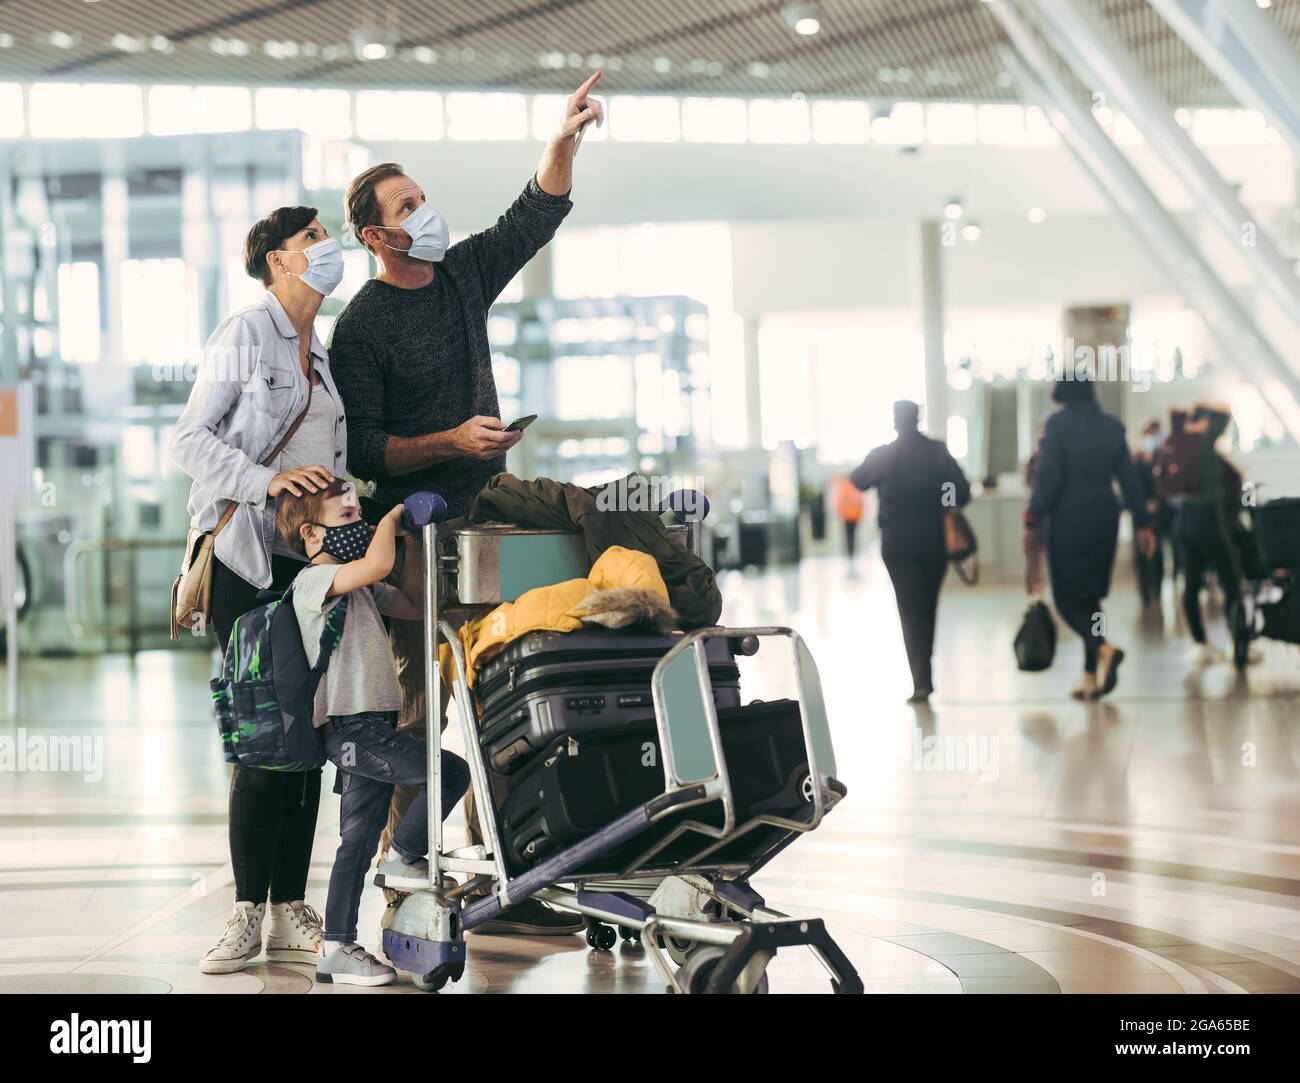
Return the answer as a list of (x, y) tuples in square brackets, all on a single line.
[(330, 634)]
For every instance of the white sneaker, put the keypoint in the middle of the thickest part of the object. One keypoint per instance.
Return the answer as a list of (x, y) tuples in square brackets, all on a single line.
[(401, 875), (1205, 654), (241, 941), (351, 964), (293, 933)]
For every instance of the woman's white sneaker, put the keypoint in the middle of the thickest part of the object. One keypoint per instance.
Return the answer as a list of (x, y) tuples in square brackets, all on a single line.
[(241, 940), (293, 933)]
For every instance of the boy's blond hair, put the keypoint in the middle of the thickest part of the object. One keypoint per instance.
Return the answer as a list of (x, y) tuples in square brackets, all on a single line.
[(292, 512)]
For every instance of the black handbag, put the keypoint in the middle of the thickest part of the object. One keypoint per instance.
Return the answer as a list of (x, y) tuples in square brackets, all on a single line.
[(1036, 640)]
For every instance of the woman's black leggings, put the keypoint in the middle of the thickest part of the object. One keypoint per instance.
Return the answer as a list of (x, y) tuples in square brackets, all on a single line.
[(1085, 618), (272, 813)]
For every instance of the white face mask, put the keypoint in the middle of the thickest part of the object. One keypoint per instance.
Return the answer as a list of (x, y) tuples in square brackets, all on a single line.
[(428, 233), (324, 266)]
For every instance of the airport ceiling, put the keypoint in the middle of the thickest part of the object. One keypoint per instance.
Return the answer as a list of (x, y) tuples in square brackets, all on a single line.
[(878, 49)]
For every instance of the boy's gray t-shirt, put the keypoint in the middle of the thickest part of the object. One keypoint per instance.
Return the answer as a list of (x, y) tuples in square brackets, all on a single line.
[(362, 674)]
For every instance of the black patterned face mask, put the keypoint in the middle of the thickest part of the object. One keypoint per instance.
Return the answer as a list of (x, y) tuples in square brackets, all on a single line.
[(348, 542)]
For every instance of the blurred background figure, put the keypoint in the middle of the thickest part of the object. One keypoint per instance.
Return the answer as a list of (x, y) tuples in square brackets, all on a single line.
[(849, 505), (1150, 569), (917, 480), (1082, 453), (1207, 525)]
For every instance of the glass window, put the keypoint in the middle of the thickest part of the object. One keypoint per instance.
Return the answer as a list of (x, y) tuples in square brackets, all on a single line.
[(184, 110), (158, 304), (326, 114), (71, 110), (471, 115), (905, 125), (593, 387), (399, 114), (1227, 127), (841, 122), (11, 111), (779, 120), (1038, 129), (1002, 125), (635, 119), (79, 320), (950, 123), (714, 120), (958, 438), (818, 369)]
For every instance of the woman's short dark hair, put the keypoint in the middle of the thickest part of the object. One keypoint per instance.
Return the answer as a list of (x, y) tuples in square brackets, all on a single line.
[(1078, 389), (270, 234)]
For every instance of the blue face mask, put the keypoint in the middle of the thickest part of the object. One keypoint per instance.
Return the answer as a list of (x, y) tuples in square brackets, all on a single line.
[(348, 542)]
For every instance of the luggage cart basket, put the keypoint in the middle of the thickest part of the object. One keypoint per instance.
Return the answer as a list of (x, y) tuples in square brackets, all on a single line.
[(672, 873)]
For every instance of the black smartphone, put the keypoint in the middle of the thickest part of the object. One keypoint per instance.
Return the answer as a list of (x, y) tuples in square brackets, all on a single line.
[(521, 423)]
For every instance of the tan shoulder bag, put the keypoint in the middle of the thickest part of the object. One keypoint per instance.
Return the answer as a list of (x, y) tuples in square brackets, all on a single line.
[(192, 589)]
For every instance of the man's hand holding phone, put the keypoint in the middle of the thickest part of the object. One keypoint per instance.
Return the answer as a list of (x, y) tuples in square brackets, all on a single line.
[(484, 437)]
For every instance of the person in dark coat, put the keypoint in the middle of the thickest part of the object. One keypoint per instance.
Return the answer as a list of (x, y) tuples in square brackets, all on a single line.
[(917, 480), (1206, 527), (1150, 569), (1082, 455)]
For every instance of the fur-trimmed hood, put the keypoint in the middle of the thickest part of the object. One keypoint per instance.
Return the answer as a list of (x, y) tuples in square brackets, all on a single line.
[(623, 590)]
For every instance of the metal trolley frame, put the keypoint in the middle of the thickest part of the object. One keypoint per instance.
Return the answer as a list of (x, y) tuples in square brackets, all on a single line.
[(699, 913)]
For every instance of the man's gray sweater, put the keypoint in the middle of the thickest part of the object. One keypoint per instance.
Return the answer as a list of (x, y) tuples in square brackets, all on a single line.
[(412, 362)]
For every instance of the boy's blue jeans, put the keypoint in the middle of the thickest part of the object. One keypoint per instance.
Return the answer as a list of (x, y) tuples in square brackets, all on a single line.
[(372, 757)]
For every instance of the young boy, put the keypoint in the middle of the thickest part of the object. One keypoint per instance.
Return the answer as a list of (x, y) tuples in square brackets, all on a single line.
[(357, 705)]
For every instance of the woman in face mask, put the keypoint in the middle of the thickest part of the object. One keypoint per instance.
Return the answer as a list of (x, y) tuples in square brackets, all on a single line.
[(263, 418)]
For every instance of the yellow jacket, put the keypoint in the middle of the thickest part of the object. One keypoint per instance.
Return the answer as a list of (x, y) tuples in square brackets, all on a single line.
[(561, 606)]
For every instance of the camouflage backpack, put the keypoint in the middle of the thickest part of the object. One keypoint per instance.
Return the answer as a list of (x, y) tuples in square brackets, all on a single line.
[(266, 693)]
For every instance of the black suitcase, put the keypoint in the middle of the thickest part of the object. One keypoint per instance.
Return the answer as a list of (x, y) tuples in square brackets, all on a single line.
[(583, 783), (546, 685), (1277, 533)]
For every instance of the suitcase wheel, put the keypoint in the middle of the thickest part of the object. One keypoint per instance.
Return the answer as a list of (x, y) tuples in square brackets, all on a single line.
[(600, 936)]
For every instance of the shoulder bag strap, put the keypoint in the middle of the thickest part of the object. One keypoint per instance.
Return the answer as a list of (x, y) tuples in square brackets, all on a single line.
[(230, 508)]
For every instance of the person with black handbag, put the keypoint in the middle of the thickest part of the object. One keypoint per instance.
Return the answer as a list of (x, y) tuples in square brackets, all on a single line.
[(263, 418), (1082, 455), (918, 483)]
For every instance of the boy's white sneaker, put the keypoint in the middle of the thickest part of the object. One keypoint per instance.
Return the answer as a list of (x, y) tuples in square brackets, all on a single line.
[(293, 933), (401, 875), (351, 964), (241, 940)]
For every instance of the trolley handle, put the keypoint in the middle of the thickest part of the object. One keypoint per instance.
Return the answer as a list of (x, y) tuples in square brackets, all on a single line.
[(683, 697)]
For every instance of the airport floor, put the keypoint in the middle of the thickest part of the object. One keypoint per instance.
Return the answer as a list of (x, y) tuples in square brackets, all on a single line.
[(1146, 844)]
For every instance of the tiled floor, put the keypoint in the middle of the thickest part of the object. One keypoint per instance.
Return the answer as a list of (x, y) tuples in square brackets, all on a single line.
[(1150, 843)]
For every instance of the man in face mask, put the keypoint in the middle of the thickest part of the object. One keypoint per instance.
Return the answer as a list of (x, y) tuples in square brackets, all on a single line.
[(411, 357)]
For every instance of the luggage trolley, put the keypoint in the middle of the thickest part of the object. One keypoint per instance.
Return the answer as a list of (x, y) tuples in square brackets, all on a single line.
[(1268, 556), (672, 873)]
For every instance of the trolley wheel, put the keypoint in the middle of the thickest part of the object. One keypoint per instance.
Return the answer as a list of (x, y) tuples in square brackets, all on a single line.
[(600, 936), (439, 976), (429, 983), (679, 951), (694, 976), (629, 936)]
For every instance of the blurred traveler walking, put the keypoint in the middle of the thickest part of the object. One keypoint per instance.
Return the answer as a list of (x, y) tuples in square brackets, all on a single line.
[(849, 505), (264, 418), (917, 480), (1081, 455), (1151, 569), (1206, 527)]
